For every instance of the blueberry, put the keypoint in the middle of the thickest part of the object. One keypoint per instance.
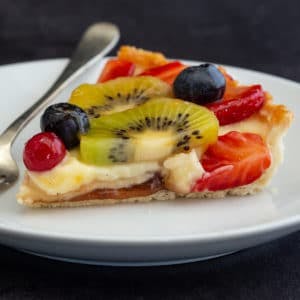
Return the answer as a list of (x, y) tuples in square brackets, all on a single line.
[(200, 84), (67, 121)]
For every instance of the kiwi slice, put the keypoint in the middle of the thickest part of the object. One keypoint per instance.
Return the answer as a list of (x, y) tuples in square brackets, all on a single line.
[(118, 95), (149, 132)]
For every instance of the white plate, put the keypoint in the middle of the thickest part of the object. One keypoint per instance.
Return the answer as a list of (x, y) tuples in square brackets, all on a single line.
[(153, 233)]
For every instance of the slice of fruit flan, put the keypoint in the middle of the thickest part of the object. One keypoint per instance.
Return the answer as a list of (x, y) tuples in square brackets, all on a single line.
[(154, 129)]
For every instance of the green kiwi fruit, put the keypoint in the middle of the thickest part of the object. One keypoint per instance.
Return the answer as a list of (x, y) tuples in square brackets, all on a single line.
[(149, 132), (118, 94)]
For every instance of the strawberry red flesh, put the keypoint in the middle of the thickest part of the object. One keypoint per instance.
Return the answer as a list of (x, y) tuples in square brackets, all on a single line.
[(167, 72), (246, 102), (236, 159), (115, 68)]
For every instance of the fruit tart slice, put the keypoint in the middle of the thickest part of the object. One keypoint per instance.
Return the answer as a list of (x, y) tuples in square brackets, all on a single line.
[(153, 129)]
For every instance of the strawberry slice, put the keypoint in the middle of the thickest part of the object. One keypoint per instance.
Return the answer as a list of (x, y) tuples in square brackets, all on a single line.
[(235, 159), (167, 72), (246, 101), (116, 68)]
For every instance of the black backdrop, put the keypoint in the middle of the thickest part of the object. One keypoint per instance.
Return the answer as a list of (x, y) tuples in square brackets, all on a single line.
[(262, 35)]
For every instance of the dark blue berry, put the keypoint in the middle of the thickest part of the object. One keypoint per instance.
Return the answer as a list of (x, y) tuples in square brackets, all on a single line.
[(200, 84), (67, 121)]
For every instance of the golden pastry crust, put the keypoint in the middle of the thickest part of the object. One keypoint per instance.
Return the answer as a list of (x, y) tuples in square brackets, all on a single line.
[(143, 59), (271, 122)]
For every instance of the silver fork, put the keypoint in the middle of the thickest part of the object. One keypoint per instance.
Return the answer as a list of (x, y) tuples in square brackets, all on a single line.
[(97, 41)]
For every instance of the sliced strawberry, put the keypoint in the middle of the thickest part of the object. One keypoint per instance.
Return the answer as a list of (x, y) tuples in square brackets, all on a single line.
[(116, 68), (236, 159), (246, 102), (167, 72)]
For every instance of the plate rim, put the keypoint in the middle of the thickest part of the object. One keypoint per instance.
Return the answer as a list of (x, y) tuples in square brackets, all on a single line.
[(190, 61), (216, 236)]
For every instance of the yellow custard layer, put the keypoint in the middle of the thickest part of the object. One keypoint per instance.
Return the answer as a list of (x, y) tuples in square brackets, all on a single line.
[(71, 174)]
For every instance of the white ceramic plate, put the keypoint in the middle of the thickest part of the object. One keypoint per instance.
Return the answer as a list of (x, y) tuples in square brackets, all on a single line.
[(153, 233)]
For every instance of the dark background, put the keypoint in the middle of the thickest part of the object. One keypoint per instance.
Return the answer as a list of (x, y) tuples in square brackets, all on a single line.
[(262, 35)]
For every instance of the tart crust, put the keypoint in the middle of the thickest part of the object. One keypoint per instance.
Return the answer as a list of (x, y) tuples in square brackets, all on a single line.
[(271, 122)]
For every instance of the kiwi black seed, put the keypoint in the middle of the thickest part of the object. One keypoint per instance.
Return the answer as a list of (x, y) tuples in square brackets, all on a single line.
[(154, 124), (151, 131), (118, 94)]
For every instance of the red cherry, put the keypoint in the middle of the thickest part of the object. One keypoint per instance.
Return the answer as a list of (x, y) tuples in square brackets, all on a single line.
[(43, 152)]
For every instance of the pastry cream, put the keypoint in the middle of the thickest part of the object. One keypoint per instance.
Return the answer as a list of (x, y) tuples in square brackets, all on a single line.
[(71, 174)]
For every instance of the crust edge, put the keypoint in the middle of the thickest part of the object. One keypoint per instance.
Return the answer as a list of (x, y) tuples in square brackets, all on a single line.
[(277, 118), (162, 195)]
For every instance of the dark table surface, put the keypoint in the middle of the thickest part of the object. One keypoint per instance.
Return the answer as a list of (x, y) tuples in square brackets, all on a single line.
[(261, 35)]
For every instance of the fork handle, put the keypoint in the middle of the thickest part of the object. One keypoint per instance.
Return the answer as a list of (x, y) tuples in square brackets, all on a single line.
[(97, 41)]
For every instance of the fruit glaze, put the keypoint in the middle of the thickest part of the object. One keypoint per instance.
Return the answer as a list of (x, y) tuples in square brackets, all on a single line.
[(145, 108)]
